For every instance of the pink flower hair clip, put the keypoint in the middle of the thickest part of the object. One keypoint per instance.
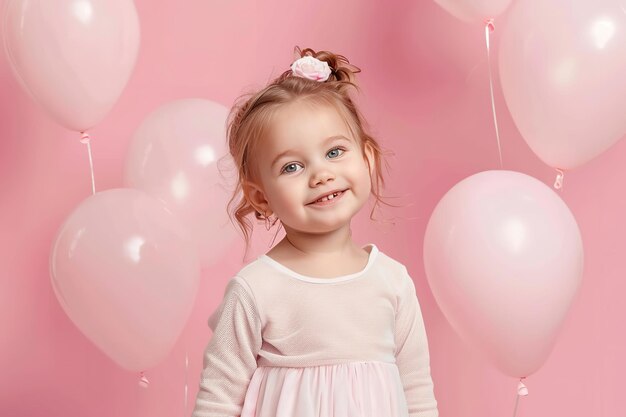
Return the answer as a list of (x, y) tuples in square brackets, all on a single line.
[(311, 68)]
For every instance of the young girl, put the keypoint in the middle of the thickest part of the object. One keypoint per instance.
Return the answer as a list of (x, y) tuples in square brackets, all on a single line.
[(318, 326)]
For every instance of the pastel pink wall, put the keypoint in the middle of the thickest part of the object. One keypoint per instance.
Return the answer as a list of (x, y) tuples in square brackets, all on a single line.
[(425, 95)]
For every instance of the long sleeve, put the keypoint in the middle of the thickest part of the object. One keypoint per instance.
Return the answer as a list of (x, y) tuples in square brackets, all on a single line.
[(412, 356), (230, 356)]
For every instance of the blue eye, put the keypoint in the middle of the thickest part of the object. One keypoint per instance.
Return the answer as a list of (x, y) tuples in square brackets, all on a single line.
[(287, 166), (336, 149)]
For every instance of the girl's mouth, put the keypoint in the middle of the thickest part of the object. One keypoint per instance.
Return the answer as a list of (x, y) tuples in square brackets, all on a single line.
[(329, 200)]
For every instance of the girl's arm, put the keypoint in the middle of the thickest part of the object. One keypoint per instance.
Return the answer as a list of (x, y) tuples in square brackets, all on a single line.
[(412, 356), (230, 357)]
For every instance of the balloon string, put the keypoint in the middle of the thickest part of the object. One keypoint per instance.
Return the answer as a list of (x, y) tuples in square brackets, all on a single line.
[(186, 372), (489, 27), (85, 139), (521, 391)]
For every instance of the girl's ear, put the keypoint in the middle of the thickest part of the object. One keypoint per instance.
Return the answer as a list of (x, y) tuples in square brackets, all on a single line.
[(256, 197)]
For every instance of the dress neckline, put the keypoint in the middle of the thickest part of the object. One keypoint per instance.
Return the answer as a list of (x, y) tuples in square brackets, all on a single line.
[(372, 256)]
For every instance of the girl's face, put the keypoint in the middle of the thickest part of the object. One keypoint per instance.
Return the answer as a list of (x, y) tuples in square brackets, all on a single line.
[(309, 153)]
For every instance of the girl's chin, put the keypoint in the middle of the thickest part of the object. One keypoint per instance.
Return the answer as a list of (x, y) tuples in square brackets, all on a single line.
[(323, 226)]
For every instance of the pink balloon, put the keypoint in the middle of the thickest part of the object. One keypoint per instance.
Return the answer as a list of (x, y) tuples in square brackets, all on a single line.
[(504, 259), (173, 155), (474, 11), (73, 57), (562, 66), (126, 273)]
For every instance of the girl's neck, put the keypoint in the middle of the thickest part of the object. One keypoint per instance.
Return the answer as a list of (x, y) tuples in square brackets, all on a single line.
[(320, 245), (322, 256)]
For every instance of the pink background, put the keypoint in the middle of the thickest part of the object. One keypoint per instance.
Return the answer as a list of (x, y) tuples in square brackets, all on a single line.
[(426, 97)]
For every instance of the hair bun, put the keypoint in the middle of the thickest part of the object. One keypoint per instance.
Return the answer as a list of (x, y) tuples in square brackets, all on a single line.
[(341, 68)]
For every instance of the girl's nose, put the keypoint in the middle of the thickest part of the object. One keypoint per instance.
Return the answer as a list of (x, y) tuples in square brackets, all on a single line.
[(322, 176)]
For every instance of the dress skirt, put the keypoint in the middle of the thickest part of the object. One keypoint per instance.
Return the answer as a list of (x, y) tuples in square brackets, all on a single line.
[(352, 389)]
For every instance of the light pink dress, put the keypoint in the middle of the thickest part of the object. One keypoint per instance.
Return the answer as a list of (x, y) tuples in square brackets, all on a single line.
[(290, 345)]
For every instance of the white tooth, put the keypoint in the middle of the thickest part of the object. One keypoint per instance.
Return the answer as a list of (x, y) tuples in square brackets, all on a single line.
[(328, 197)]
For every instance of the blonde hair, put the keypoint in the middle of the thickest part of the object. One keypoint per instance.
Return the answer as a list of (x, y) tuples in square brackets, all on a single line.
[(251, 114)]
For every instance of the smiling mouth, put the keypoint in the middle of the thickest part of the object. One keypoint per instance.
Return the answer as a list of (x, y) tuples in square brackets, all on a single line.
[(329, 197)]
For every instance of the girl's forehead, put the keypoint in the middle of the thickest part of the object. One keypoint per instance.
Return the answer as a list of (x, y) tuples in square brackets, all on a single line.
[(298, 122)]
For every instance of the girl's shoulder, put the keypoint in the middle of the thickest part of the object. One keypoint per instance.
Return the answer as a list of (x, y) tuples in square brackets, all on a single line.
[(390, 263)]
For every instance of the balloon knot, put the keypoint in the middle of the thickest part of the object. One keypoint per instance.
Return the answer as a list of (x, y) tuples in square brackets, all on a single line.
[(521, 389), (490, 25), (84, 138), (558, 182), (143, 381)]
